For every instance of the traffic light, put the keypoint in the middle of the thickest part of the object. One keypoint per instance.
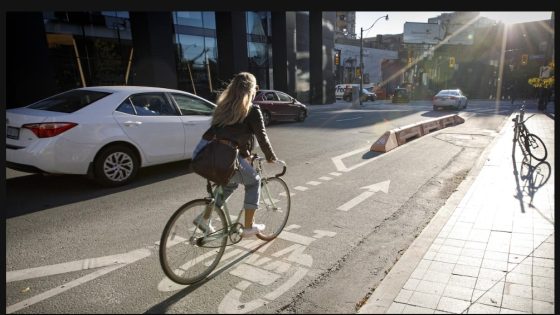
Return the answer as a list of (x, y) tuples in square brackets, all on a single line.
[(337, 58), (524, 59), (358, 72), (451, 62)]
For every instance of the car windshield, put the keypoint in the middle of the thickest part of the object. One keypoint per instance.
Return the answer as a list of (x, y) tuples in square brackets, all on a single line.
[(70, 101)]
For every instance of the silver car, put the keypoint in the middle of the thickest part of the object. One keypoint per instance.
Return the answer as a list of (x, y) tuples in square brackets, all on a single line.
[(450, 98)]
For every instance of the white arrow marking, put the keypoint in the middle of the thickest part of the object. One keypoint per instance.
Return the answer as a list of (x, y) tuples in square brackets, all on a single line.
[(372, 189)]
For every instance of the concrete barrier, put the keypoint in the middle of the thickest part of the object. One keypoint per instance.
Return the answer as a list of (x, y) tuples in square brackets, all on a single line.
[(387, 142), (399, 136), (408, 133), (430, 126)]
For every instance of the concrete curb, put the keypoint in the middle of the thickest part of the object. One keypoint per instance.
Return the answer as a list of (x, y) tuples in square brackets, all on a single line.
[(384, 295), (401, 135)]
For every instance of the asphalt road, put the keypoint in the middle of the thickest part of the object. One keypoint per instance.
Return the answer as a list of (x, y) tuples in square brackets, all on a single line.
[(72, 247)]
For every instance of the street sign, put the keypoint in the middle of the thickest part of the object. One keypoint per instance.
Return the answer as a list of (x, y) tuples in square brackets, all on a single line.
[(544, 72)]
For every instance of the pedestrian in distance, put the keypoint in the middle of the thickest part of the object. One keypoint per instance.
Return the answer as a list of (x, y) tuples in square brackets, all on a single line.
[(238, 120)]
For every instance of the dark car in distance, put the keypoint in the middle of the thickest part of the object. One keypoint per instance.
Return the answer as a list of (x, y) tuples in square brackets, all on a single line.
[(279, 106), (400, 95), (367, 95)]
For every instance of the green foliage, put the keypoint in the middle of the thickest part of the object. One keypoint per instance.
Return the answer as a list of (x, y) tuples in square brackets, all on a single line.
[(543, 82)]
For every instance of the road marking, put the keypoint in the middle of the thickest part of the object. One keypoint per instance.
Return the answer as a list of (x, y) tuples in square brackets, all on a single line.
[(124, 259), (337, 160), (301, 188), (283, 194), (349, 118), (325, 178), (254, 274), (77, 265), (372, 189), (314, 183), (335, 174)]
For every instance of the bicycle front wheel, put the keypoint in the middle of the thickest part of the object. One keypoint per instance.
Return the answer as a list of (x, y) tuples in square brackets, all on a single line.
[(274, 207), (535, 146), (191, 246)]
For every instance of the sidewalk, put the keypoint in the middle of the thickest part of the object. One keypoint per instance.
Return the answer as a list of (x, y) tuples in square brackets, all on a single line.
[(490, 249)]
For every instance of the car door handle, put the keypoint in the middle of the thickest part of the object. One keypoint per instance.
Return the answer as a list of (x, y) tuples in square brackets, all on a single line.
[(189, 123), (132, 123)]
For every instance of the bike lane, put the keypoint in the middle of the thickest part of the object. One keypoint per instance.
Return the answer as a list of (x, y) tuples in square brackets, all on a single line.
[(254, 275)]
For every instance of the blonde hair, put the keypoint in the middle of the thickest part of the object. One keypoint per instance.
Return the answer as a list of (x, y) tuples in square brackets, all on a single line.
[(235, 101)]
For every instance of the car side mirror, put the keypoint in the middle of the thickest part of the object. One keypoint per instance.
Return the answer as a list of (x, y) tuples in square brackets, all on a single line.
[(293, 100)]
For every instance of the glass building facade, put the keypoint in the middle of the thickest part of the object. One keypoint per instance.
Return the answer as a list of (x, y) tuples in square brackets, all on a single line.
[(130, 48), (197, 51)]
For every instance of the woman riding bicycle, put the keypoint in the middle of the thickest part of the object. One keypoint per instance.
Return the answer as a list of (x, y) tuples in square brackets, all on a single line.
[(237, 119)]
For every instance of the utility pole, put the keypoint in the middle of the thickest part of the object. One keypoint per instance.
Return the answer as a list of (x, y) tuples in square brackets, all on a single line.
[(362, 53)]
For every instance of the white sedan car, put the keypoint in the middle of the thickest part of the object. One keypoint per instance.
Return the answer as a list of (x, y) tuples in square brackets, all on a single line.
[(450, 98), (105, 132)]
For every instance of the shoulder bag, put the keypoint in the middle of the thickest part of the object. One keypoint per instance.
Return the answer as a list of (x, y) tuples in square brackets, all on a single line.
[(216, 161)]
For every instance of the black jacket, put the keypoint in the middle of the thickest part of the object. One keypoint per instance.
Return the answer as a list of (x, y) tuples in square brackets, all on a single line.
[(242, 134)]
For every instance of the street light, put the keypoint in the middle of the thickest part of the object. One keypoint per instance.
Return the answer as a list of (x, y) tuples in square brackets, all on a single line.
[(362, 53)]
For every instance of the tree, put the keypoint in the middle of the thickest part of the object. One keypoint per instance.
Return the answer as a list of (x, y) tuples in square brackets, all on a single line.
[(544, 86), (544, 82)]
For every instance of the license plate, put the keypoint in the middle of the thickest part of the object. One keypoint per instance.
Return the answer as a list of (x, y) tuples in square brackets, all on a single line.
[(12, 133)]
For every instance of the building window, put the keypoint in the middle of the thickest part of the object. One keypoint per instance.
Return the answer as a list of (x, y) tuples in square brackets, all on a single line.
[(197, 64), (258, 42), (88, 49), (202, 19)]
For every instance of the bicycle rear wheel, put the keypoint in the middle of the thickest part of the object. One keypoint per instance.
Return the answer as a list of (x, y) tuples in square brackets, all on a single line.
[(188, 254), (274, 207), (535, 146)]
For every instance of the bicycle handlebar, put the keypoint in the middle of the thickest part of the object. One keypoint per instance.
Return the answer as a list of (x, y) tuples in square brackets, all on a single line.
[(281, 162)]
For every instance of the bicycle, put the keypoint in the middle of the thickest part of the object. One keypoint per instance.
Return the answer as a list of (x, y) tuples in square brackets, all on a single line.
[(528, 141), (185, 242)]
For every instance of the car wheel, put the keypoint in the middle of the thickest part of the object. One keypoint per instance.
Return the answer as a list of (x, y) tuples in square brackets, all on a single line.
[(115, 165), (301, 115), (266, 117)]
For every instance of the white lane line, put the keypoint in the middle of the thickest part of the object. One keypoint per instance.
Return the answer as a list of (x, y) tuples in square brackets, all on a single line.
[(350, 204), (77, 265), (301, 188), (127, 258), (337, 160), (335, 174), (314, 183), (67, 286), (283, 194), (325, 178), (349, 118)]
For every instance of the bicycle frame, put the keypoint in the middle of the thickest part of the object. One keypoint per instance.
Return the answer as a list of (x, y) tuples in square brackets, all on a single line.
[(520, 130), (218, 192)]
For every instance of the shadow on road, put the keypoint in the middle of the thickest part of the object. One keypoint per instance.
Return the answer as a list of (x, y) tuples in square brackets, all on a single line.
[(163, 307), (36, 192)]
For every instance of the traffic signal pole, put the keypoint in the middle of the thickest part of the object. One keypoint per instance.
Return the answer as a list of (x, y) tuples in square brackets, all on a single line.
[(362, 54)]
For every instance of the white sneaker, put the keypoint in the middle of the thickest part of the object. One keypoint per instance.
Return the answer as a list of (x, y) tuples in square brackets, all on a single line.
[(256, 228), (204, 224)]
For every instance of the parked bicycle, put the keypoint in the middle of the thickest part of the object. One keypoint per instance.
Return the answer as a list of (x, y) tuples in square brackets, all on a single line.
[(530, 142), (185, 243)]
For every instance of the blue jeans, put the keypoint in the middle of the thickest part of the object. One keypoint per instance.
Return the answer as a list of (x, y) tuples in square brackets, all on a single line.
[(247, 176)]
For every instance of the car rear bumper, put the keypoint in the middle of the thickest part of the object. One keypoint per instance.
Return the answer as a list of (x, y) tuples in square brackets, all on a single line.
[(57, 156), (445, 106)]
